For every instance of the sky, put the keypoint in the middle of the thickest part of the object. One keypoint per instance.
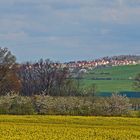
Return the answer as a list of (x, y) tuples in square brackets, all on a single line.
[(65, 30)]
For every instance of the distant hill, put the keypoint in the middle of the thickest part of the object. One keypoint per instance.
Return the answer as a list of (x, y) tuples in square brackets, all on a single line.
[(123, 57)]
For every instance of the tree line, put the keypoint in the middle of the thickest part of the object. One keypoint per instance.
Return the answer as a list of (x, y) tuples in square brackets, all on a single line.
[(40, 78)]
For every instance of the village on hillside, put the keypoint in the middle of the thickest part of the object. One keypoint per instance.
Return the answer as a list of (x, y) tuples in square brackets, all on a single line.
[(84, 66), (103, 62)]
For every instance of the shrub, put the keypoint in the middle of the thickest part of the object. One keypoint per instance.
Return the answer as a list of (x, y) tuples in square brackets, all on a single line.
[(40, 103), (4, 104), (115, 105), (21, 106), (62, 105), (118, 105)]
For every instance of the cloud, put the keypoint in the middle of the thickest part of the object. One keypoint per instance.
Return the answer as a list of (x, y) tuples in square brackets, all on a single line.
[(20, 36), (62, 27)]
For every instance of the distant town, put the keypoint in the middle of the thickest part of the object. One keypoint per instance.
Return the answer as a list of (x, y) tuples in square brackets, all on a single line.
[(85, 65), (102, 62)]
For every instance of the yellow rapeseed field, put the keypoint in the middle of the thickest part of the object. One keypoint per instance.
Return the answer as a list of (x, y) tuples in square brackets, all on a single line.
[(68, 128)]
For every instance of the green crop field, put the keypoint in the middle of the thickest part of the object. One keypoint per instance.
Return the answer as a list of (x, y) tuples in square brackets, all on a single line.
[(111, 79), (68, 128)]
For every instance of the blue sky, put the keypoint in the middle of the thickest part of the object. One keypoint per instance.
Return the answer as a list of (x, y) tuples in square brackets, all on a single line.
[(67, 30)]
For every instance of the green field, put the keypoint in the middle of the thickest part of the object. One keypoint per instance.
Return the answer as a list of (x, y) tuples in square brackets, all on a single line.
[(121, 78), (68, 128)]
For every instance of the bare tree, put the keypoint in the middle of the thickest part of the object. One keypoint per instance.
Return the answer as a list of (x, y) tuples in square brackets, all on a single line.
[(42, 77)]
